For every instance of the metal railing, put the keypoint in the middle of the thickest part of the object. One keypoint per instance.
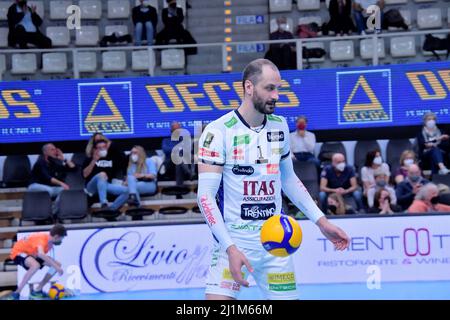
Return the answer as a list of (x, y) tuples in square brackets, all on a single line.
[(298, 43)]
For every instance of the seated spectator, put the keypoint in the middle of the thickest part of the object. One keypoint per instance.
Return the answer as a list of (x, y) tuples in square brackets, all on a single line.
[(282, 54), (407, 158), (141, 175), (99, 170), (427, 200), (383, 203), (380, 183), (180, 171), (340, 17), (145, 18), (339, 178), (49, 171), (433, 145), (360, 13), (374, 161), (408, 188), (172, 18), (303, 143), (24, 23), (336, 205), (112, 149)]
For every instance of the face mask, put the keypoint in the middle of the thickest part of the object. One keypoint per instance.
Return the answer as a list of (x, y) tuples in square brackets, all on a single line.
[(103, 153), (283, 26), (332, 208), (414, 178), (301, 126), (431, 124), (408, 162), (378, 160), (57, 243), (381, 183), (134, 157), (434, 200), (341, 166)]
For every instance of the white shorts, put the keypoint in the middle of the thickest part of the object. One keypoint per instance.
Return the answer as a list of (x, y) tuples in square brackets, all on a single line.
[(274, 275)]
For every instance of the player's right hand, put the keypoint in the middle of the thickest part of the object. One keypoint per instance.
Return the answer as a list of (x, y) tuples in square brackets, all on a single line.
[(237, 259), (60, 271)]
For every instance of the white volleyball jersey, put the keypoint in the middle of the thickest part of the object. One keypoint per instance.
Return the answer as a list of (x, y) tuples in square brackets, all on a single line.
[(250, 190)]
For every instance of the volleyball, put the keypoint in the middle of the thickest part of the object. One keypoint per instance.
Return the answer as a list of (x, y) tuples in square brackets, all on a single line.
[(281, 235), (56, 291)]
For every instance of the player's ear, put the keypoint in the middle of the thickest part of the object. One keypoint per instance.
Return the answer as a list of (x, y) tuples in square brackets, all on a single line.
[(248, 87)]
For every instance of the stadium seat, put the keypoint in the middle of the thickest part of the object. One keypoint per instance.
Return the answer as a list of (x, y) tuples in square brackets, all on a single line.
[(3, 37), (120, 30), (114, 61), (394, 150), (395, 1), (172, 59), (87, 61), (90, 9), (342, 50), (280, 6), (55, 62), (140, 60), (87, 36), (361, 149), (37, 207), (39, 8), (439, 52), (4, 6), (311, 45), (307, 173), (327, 149), (448, 16), (310, 19), (403, 46), (441, 179), (16, 171), (24, 63), (430, 18), (60, 36), (153, 3), (274, 26), (366, 48), (118, 9), (2, 65), (406, 14), (180, 4), (58, 9), (304, 5), (73, 204)]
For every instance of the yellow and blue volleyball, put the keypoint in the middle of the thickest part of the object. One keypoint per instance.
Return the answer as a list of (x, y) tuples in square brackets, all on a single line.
[(56, 291), (281, 235)]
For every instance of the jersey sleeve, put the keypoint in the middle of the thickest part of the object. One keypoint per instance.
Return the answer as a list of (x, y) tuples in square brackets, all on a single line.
[(211, 147), (286, 144)]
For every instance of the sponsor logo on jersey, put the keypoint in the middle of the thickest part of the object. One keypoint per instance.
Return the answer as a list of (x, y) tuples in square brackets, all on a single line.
[(260, 211), (275, 136), (274, 118), (208, 153), (259, 190), (209, 138), (230, 122), (245, 227), (281, 281), (238, 154), (242, 139), (277, 150), (243, 170), (272, 168), (207, 210)]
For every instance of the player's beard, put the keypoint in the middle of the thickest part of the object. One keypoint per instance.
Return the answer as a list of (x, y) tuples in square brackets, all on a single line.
[(264, 107)]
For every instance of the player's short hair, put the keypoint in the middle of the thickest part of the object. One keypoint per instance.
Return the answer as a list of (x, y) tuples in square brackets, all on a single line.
[(58, 230), (253, 70)]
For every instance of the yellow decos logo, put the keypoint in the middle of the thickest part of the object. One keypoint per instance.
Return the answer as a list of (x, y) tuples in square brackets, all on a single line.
[(428, 86), (364, 96), (105, 107), (208, 96), (11, 99)]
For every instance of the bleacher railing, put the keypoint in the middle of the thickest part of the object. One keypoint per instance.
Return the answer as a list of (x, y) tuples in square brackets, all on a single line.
[(298, 43)]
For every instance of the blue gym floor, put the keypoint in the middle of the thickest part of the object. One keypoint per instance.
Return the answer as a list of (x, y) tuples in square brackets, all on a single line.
[(355, 291)]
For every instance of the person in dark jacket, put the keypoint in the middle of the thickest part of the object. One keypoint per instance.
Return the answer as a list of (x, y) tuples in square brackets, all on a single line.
[(145, 18), (24, 23), (282, 54), (340, 17), (408, 188)]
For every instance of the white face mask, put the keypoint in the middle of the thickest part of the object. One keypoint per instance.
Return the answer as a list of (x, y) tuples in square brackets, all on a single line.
[(103, 153), (408, 162), (284, 26), (377, 160), (134, 157), (340, 166), (431, 124)]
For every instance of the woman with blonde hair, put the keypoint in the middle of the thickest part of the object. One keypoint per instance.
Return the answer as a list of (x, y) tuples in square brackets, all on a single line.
[(141, 175), (97, 136), (407, 158), (336, 205)]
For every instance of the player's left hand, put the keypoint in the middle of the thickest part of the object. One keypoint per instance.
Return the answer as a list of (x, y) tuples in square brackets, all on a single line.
[(333, 233)]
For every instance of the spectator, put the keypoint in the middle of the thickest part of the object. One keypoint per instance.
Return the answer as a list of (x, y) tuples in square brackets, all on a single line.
[(336, 205), (180, 171), (408, 188), (380, 183), (24, 23), (340, 17), (407, 158), (303, 143), (172, 18), (432, 143), (427, 200), (383, 203), (112, 150), (49, 172), (97, 136), (99, 170), (141, 175), (145, 18), (339, 178), (282, 54), (360, 14), (374, 161)]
